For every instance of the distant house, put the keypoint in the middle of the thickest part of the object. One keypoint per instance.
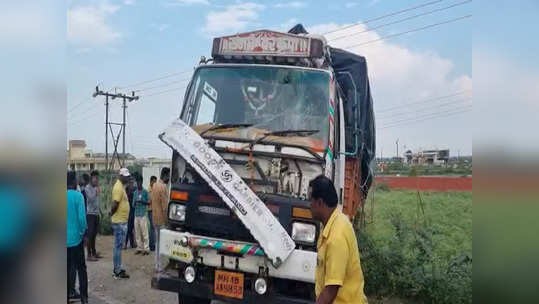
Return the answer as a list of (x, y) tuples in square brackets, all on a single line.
[(427, 157), (79, 158)]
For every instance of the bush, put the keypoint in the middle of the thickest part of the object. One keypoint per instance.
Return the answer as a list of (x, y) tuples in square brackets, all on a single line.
[(406, 266), (105, 183)]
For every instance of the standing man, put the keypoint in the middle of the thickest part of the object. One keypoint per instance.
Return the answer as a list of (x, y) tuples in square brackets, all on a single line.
[(76, 227), (159, 210), (153, 179), (119, 216), (131, 186), (85, 181), (92, 214), (141, 199), (338, 278)]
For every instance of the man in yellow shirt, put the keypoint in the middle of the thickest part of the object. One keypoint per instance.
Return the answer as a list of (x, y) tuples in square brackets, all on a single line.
[(119, 216), (338, 278)]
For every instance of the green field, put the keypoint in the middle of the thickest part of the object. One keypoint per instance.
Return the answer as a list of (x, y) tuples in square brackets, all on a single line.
[(417, 246)]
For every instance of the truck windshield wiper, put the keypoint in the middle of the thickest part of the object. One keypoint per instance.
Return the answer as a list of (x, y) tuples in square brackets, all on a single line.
[(225, 126), (292, 133), (285, 133)]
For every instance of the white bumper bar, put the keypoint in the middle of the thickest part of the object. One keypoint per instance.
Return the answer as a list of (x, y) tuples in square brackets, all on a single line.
[(299, 266)]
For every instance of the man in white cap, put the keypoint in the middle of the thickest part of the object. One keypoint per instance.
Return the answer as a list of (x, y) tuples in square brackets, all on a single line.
[(119, 215)]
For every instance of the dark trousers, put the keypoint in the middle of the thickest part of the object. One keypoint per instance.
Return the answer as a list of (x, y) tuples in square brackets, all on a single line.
[(77, 264), (93, 227), (131, 229), (151, 232)]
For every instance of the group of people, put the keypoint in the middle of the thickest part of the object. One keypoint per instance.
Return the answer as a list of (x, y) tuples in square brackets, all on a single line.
[(338, 278), (136, 217)]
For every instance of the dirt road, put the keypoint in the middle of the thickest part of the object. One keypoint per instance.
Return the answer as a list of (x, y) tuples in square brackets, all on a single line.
[(103, 288)]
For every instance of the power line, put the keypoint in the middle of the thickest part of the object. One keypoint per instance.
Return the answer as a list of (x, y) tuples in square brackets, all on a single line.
[(81, 111), (409, 31), (76, 106), (152, 80), (76, 122), (423, 101), (412, 121), (402, 20), (384, 16), (163, 85), (428, 114), (455, 102), (163, 92), (421, 120)]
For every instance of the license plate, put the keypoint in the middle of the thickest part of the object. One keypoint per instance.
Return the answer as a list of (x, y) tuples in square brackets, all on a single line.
[(228, 284)]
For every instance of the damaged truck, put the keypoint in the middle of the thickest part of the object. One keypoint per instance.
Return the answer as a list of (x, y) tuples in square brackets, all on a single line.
[(266, 114)]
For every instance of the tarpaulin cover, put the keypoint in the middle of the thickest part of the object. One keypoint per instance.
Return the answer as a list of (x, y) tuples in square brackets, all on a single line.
[(353, 81)]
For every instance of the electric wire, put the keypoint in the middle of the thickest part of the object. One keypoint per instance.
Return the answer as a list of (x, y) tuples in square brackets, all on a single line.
[(384, 16), (400, 20), (409, 31)]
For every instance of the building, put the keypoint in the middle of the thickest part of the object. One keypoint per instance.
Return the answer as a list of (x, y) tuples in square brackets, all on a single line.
[(79, 158), (427, 157)]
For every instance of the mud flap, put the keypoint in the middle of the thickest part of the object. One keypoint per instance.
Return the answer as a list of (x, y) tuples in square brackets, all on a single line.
[(253, 213)]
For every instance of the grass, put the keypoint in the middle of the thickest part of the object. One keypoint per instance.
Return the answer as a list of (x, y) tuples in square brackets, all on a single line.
[(418, 246), (449, 214)]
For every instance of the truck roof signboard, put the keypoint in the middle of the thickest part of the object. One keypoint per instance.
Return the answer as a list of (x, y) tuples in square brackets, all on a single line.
[(267, 43)]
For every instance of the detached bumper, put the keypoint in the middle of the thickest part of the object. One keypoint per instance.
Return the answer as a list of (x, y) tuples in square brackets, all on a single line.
[(300, 265), (205, 290)]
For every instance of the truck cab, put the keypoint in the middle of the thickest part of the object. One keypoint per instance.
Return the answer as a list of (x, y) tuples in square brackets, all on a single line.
[(269, 104)]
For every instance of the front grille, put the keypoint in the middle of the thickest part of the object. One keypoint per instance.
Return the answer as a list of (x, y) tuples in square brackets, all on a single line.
[(215, 220), (207, 215)]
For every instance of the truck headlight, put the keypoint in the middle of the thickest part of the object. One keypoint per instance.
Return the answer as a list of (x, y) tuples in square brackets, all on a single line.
[(303, 232), (176, 212)]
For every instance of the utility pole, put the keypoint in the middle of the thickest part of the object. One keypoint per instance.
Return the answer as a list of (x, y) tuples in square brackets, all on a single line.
[(108, 125), (124, 107), (397, 142), (106, 133)]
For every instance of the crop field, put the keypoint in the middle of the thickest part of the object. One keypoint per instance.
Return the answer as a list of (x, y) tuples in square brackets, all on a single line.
[(417, 246)]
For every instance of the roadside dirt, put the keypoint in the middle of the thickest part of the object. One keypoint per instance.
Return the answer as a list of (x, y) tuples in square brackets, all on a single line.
[(104, 288)]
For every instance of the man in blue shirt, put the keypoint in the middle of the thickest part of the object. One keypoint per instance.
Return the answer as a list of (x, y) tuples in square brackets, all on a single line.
[(76, 227)]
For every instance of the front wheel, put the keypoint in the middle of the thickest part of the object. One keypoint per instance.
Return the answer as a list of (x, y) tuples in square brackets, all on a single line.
[(192, 300)]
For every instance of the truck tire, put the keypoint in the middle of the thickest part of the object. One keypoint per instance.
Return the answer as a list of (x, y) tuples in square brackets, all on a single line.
[(192, 300)]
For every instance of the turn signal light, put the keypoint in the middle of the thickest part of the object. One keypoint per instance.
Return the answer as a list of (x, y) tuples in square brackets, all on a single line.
[(179, 195), (302, 212)]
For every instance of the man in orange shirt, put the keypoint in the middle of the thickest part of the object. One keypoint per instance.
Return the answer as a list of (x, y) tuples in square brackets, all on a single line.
[(159, 202)]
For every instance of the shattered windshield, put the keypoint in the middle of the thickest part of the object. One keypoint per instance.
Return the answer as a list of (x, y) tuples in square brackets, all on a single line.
[(262, 99)]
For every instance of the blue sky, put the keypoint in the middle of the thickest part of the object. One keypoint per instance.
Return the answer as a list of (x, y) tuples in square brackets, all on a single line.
[(121, 42)]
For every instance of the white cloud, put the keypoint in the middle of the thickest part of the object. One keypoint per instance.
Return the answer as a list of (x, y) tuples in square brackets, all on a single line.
[(129, 2), (87, 26), (187, 2), (293, 4), (233, 18), (350, 4), (399, 75)]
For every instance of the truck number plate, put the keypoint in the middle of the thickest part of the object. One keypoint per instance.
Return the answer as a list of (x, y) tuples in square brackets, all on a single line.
[(228, 284)]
